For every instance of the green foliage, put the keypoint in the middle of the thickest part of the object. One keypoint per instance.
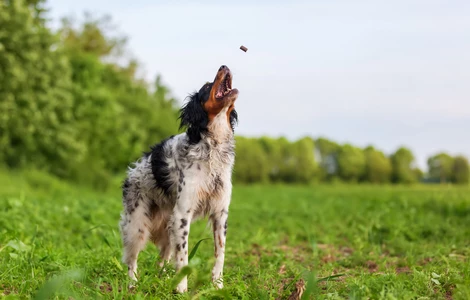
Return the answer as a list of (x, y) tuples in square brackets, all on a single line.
[(90, 36), (275, 160), (328, 151), (418, 174), (59, 241), (460, 170), (303, 150), (402, 166), (251, 162), (440, 167), (287, 163), (378, 167), (64, 108), (272, 149), (36, 124), (115, 110), (73, 105), (351, 163)]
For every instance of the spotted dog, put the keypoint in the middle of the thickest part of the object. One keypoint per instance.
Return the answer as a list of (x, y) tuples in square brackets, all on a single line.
[(183, 178)]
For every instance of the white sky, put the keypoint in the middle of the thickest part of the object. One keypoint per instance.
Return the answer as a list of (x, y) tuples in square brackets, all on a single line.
[(386, 73)]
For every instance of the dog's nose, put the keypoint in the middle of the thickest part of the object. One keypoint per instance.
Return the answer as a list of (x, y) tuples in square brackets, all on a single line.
[(223, 67)]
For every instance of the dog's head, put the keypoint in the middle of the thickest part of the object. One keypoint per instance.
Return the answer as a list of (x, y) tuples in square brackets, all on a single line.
[(212, 99)]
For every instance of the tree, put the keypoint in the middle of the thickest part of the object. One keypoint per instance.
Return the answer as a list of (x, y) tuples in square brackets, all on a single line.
[(304, 160), (328, 152), (273, 151), (287, 170), (460, 170), (251, 164), (440, 167), (378, 166), (402, 166), (351, 163), (66, 107), (114, 108), (37, 122), (418, 174), (92, 36)]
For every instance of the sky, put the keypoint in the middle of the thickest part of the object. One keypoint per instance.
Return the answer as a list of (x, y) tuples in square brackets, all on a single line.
[(381, 73)]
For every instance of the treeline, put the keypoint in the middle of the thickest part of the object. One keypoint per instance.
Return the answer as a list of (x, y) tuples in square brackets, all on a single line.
[(67, 106), (310, 160), (72, 104)]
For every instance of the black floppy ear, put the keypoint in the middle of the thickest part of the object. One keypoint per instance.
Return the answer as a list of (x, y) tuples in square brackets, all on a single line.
[(194, 118), (233, 119)]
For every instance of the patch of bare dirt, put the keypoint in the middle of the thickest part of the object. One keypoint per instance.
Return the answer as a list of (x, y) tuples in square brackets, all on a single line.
[(258, 251), (401, 270), (106, 287), (425, 261), (331, 254), (328, 258), (324, 246), (346, 251), (298, 253), (449, 292), (372, 266), (6, 291)]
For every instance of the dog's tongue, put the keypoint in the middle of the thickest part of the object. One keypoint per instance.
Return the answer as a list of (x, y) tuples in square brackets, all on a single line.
[(219, 94)]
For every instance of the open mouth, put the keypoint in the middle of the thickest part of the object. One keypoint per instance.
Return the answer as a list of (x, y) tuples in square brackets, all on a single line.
[(225, 86)]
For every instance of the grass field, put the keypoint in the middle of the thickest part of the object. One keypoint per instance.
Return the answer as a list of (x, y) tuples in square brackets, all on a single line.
[(355, 242)]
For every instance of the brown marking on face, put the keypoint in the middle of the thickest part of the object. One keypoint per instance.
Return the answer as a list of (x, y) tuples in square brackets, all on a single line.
[(214, 105)]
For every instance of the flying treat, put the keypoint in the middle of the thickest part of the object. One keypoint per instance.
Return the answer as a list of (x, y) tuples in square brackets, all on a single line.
[(244, 48)]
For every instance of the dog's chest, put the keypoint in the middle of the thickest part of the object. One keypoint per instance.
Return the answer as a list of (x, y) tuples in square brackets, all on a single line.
[(206, 168), (210, 160)]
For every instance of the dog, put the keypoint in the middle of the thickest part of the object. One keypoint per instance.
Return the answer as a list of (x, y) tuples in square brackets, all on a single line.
[(183, 178)]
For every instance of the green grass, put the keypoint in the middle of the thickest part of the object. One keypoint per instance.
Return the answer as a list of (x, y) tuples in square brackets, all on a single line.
[(383, 243)]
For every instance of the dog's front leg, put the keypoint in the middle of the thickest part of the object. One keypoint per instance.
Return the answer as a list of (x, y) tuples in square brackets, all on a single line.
[(219, 226), (180, 234)]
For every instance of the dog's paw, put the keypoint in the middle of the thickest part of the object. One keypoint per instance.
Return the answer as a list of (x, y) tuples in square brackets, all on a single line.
[(182, 287), (219, 283), (132, 276)]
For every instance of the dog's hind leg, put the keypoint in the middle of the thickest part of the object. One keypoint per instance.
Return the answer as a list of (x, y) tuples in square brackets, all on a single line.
[(134, 229), (165, 251), (160, 237)]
